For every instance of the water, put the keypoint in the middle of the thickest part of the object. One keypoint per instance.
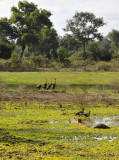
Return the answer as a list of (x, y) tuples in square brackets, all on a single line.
[(78, 137), (111, 138), (56, 122), (110, 121), (106, 120)]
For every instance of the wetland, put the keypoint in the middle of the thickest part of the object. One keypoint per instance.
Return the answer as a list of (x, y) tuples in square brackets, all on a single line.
[(34, 124)]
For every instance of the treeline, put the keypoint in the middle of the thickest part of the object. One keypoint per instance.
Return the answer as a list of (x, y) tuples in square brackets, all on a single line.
[(28, 39)]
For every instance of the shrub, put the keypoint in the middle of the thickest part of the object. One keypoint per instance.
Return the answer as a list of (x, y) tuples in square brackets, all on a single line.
[(39, 61), (105, 66), (62, 54)]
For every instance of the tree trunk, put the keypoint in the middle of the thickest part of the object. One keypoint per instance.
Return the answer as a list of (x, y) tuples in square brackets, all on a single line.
[(84, 51), (22, 52)]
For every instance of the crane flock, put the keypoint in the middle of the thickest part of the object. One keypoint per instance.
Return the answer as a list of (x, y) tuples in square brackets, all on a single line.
[(47, 86)]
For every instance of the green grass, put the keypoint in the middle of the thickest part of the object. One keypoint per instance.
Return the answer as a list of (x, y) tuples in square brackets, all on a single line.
[(26, 132), (71, 81)]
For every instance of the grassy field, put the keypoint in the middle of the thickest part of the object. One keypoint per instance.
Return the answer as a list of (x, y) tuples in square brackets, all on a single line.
[(73, 81), (34, 124)]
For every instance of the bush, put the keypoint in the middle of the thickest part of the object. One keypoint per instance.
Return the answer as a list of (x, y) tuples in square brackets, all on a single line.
[(105, 66), (39, 61), (62, 54), (14, 62), (97, 52), (2, 65)]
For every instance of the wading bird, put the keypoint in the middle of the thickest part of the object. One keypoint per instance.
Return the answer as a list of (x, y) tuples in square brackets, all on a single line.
[(87, 114), (45, 85), (49, 85), (54, 84), (39, 86), (80, 113)]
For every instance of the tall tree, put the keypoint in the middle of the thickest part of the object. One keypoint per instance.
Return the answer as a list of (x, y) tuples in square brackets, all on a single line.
[(114, 38), (25, 23), (6, 46), (48, 42), (69, 42), (6, 50), (84, 27)]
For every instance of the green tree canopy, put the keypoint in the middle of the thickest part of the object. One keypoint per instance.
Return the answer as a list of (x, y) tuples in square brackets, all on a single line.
[(99, 51), (25, 23), (6, 50), (69, 42), (114, 38), (48, 42), (84, 28)]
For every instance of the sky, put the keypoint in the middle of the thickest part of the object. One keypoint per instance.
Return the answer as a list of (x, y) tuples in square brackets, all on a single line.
[(63, 10)]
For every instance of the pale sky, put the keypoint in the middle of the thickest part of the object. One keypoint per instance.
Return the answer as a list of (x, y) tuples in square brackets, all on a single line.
[(63, 10)]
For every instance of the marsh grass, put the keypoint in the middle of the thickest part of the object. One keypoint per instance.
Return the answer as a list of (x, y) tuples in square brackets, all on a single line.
[(26, 132)]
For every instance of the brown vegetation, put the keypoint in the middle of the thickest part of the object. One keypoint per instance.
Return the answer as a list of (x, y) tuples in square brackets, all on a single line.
[(53, 97)]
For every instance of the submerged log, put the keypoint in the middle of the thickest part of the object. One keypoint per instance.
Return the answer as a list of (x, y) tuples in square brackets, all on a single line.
[(74, 121), (101, 125)]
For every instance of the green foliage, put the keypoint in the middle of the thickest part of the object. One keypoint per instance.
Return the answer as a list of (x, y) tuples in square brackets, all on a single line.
[(103, 66), (6, 50), (69, 42), (84, 28), (114, 38), (7, 31), (48, 43), (39, 61), (62, 54), (93, 51), (14, 62), (99, 51), (25, 23), (14, 55)]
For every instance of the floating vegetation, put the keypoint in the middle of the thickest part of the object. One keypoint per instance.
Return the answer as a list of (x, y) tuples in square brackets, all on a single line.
[(41, 131)]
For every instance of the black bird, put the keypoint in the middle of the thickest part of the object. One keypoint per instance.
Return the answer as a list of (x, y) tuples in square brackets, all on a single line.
[(49, 85), (87, 114), (80, 120), (80, 113), (39, 86), (45, 85), (54, 84)]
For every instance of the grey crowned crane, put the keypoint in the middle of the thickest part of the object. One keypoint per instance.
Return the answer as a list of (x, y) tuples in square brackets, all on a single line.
[(80, 113), (39, 86), (49, 86), (54, 84), (87, 114), (45, 85)]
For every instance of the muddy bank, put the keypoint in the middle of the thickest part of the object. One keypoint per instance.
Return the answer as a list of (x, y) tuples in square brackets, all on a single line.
[(53, 97)]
